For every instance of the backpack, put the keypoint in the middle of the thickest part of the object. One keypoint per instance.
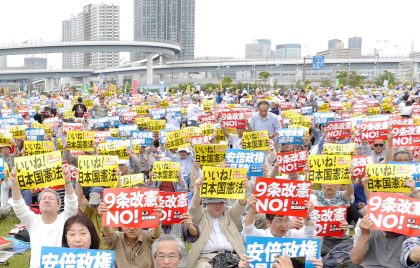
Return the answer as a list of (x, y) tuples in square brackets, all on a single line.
[(339, 256)]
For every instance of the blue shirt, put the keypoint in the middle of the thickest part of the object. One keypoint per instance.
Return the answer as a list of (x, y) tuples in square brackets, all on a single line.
[(269, 123), (359, 195)]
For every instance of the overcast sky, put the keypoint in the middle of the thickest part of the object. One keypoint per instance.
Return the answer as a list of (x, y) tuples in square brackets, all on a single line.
[(223, 27)]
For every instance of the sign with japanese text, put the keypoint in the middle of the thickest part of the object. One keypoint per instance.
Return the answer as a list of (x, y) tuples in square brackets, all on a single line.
[(394, 213), (328, 220), (156, 125), (388, 177), (338, 130), (5, 139), (38, 147), (222, 182), (100, 136), (131, 207), (166, 171), (291, 162), (174, 205), (80, 140), (117, 148), (329, 169), (406, 135), (128, 181), (207, 119), (39, 171), (249, 159), (282, 197), (60, 257), (98, 170), (370, 131), (210, 154), (291, 136), (18, 131), (203, 139), (359, 163), (66, 127), (256, 140), (233, 119), (339, 149)]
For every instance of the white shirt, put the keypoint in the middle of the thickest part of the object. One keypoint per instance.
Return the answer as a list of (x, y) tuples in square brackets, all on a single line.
[(42, 234), (235, 141), (217, 239), (305, 232), (193, 111)]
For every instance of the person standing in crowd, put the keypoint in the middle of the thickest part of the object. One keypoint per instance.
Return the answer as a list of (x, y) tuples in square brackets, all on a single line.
[(79, 232), (264, 120), (100, 110), (52, 104), (168, 251), (40, 117), (193, 111), (79, 109)]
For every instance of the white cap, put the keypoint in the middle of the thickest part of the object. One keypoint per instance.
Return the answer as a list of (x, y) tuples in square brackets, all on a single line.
[(123, 162), (186, 149)]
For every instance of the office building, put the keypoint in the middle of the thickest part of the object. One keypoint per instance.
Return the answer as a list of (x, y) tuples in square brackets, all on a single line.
[(335, 43), (95, 23), (35, 63), (258, 49), (355, 42), (288, 51), (341, 53), (163, 21), (3, 62)]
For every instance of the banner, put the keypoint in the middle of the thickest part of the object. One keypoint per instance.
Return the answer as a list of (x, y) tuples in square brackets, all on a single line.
[(370, 131), (52, 257), (128, 181), (291, 136), (282, 197), (394, 213), (406, 135), (131, 208), (98, 170), (328, 220), (292, 162), (339, 149), (166, 171), (233, 119), (39, 171), (174, 205), (256, 140), (359, 163), (222, 182), (263, 250), (37, 147), (388, 177), (338, 130), (251, 160), (80, 140), (209, 155), (117, 148), (329, 169), (174, 139)]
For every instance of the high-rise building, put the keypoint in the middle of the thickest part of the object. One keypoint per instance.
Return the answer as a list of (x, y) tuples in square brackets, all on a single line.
[(96, 23), (334, 43), (288, 51), (3, 62), (163, 20), (258, 49), (355, 42)]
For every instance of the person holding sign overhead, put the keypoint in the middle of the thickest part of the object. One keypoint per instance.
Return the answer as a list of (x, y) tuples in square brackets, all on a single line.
[(49, 224), (264, 120)]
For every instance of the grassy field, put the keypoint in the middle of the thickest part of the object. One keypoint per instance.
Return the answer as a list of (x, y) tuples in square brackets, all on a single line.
[(17, 260)]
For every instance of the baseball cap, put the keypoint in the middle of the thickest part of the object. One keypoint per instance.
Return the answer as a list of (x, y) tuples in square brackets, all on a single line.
[(185, 149)]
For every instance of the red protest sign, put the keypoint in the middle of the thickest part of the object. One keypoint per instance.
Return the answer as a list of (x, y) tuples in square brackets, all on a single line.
[(131, 207), (285, 105), (370, 131), (394, 213), (359, 165), (416, 108), (233, 119), (207, 119), (129, 117), (328, 220), (174, 205), (71, 126), (401, 121), (203, 139), (406, 135), (291, 162), (336, 105), (282, 197), (338, 130), (100, 136)]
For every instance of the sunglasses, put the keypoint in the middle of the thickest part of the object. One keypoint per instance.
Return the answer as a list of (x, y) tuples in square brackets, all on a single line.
[(378, 145)]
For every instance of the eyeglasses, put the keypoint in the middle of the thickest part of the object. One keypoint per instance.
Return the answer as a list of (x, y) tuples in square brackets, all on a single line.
[(379, 145), (172, 257)]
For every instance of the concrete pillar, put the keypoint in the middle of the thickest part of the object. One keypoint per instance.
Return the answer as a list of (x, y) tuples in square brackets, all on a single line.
[(49, 84), (149, 71)]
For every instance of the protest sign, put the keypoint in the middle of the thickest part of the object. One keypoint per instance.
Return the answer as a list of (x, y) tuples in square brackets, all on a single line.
[(1, 168), (38, 147), (39, 171), (5, 139), (203, 139), (282, 197), (207, 119), (52, 257), (394, 213), (156, 125), (117, 148), (71, 126), (370, 131), (328, 220), (131, 207), (142, 110), (68, 114), (208, 105), (401, 121), (291, 162), (291, 136), (174, 205), (406, 135), (256, 140), (128, 181), (388, 177), (323, 118), (251, 160), (233, 119), (359, 163), (209, 154), (18, 131), (157, 113), (80, 140), (339, 149), (166, 171), (329, 169), (128, 117), (142, 122), (100, 123), (100, 136), (125, 130), (338, 130), (223, 182), (174, 139), (262, 251), (191, 131), (98, 170), (208, 129)]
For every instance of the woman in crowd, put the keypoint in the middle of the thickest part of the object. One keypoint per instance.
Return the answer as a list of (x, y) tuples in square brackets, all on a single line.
[(79, 232)]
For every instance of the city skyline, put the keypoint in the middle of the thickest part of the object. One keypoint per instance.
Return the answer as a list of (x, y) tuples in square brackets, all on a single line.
[(224, 27)]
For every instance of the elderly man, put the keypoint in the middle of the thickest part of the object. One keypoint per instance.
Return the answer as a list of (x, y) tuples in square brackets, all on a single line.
[(220, 240), (45, 229), (168, 251), (193, 111), (264, 120), (410, 255)]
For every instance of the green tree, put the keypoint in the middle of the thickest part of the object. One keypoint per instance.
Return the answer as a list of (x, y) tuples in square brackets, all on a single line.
[(227, 82), (326, 83), (355, 79), (343, 78), (264, 76), (387, 75)]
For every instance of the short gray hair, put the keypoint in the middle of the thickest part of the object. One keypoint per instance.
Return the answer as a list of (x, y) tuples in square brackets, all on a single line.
[(50, 191), (168, 237)]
